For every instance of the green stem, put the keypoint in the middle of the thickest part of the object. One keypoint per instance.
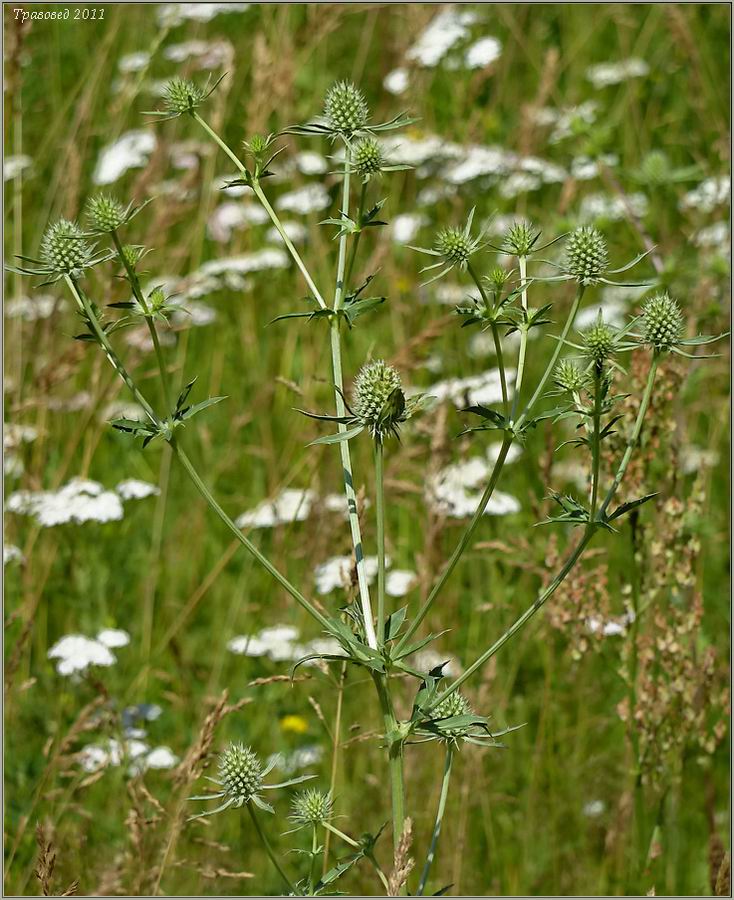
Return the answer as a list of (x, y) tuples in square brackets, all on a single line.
[(263, 560), (395, 756), (335, 747), (554, 358), (497, 341), (380, 514), (461, 546), (439, 819), (353, 843), (132, 277), (645, 402), (314, 853), (269, 850), (595, 445), (255, 185), (85, 305), (519, 623), (358, 235), (523, 264)]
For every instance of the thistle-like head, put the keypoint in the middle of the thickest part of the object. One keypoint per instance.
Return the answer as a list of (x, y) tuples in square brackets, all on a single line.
[(182, 96), (586, 255), (105, 213), (520, 238), (570, 377), (455, 704), (454, 245), (662, 322), (367, 157), (600, 342), (240, 773), (345, 108), (64, 249), (311, 807), (379, 401)]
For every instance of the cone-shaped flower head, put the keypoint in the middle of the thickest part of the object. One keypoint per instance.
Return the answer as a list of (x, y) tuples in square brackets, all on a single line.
[(240, 772), (520, 238), (105, 213), (662, 322), (569, 377), (454, 245), (346, 108), (367, 157), (379, 401), (311, 807), (181, 96), (600, 342), (586, 255), (455, 704), (63, 247)]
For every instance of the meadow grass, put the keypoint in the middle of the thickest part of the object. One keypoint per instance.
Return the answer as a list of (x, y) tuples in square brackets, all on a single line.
[(520, 820)]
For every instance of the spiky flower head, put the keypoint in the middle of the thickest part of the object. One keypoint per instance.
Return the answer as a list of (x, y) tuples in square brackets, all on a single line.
[(311, 807), (498, 277), (181, 96), (569, 377), (662, 322), (520, 238), (455, 704), (655, 168), (379, 401), (454, 245), (240, 772), (133, 253), (105, 213), (600, 342), (586, 255), (345, 108), (64, 248), (367, 157)]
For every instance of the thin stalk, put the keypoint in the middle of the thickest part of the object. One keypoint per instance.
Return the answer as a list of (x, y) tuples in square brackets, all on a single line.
[(519, 623), (346, 457), (395, 757), (335, 747), (461, 546), (595, 445), (83, 302), (380, 515), (439, 819), (132, 276), (554, 358), (645, 402), (358, 235), (314, 854), (523, 265), (255, 185), (497, 341), (269, 850), (345, 837), (104, 342)]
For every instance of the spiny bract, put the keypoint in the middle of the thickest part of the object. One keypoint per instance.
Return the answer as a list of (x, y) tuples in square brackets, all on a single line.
[(367, 157), (379, 402), (105, 213), (181, 96), (345, 108), (311, 807), (519, 238), (662, 322), (63, 247), (240, 772), (586, 255), (569, 377)]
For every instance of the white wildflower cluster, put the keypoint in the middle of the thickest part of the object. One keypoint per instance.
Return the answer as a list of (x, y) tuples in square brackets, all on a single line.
[(710, 194), (311, 198), (484, 388), (297, 760), (76, 652), (568, 120), (14, 165), (336, 574), (613, 627), (33, 309), (430, 658), (130, 151), (292, 505), (12, 554), (202, 55), (604, 207), (135, 753), (79, 501), (172, 14), (281, 643), (606, 74), (455, 490)]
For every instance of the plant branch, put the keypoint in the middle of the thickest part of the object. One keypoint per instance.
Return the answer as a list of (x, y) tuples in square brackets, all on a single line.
[(271, 853), (497, 341), (439, 819), (380, 515)]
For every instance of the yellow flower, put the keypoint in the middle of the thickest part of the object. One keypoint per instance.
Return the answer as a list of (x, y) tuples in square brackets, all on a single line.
[(296, 724)]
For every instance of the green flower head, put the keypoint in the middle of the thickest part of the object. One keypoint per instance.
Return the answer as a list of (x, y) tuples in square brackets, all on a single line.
[(586, 255), (64, 249), (379, 401), (662, 322), (311, 807), (345, 108)]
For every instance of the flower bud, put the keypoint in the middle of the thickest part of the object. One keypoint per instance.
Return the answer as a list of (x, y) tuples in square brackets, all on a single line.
[(345, 108), (455, 704), (181, 96), (240, 772), (662, 322), (379, 402), (454, 245), (586, 255), (311, 807), (367, 158), (569, 377), (599, 342), (105, 213), (63, 248), (519, 238)]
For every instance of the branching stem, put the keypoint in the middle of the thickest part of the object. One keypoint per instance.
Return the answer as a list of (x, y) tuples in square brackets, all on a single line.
[(439, 819)]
